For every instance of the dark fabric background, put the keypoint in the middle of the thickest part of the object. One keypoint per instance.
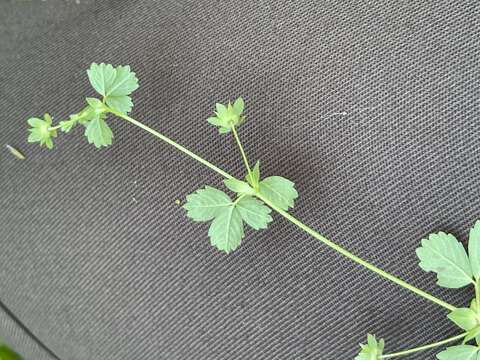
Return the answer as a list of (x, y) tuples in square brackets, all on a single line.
[(372, 108)]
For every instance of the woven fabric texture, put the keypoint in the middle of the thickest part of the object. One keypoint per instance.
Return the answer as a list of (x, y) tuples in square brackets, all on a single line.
[(372, 108), (15, 336)]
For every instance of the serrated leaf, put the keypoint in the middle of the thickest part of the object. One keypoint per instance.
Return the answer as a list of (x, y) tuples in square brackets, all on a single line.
[(123, 104), (280, 191), (98, 132), (446, 256), (373, 350), (464, 318), (206, 204), (238, 186), (459, 352), (115, 84), (474, 249), (254, 212), (101, 77), (125, 82), (226, 231)]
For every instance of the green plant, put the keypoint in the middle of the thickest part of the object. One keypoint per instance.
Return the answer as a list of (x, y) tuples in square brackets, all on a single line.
[(8, 354), (255, 198)]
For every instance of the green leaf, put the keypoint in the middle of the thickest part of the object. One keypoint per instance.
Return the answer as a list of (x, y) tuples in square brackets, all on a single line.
[(123, 104), (474, 249), (254, 182), (101, 77), (98, 132), (459, 352), (238, 106), (115, 84), (8, 354), (40, 131), (238, 186), (464, 318), (254, 212), (124, 84), (206, 204), (221, 109), (280, 191), (472, 334), (227, 116), (226, 230), (372, 350), (96, 105), (444, 255), (67, 125)]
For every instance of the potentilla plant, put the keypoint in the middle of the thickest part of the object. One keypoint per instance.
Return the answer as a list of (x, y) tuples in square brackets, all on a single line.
[(252, 199)]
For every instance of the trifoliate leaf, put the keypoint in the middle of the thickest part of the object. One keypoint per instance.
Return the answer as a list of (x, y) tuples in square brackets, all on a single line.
[(280, 191), (443, 254), (474, 249), (40, 131), (254, 212), (372, 350), (7, 354), (238, 186), (206, 204), (464, 318), (255, 176), (459, 352), (98, 132), (227, 116), (226, 230), (115, 84)]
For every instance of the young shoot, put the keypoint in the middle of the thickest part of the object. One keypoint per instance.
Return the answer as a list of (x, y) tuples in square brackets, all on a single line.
[(249, 199)]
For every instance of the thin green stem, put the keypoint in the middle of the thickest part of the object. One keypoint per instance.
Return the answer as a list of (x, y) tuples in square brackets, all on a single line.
[(173, 143), (355, 258), (54, 127), (424, 347), (289, 217), (244, 156)]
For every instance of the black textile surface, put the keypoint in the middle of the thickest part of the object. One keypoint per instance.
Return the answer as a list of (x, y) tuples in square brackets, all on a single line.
[(370, 107)]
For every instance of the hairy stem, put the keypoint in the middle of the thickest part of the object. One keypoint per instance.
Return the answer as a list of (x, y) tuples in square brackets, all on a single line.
[(292, 219), (244, 156), (424, 347)]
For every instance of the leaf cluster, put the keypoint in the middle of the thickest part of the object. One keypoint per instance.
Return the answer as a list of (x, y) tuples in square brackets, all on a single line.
[(114, 84)]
